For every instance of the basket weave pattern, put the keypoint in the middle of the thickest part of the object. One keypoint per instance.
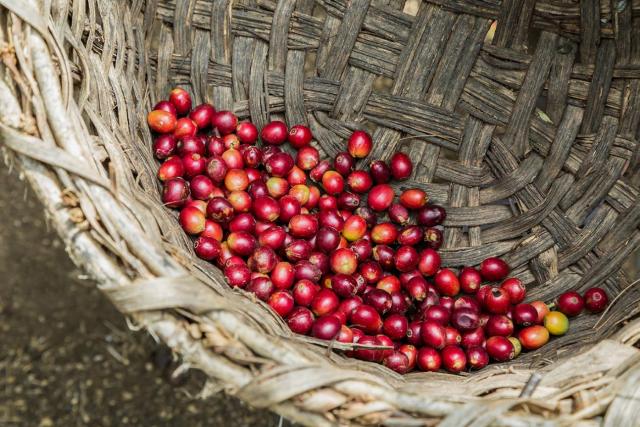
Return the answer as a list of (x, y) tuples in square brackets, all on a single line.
[(530, 140)]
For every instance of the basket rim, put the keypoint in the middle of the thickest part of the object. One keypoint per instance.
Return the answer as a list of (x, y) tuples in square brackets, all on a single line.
[(158, 288)]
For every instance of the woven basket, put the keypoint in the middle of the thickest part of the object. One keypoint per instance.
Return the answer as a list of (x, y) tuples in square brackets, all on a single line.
[(533, 151)]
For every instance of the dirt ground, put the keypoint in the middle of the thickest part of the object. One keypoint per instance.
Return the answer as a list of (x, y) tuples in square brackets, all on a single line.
[(66, 355)]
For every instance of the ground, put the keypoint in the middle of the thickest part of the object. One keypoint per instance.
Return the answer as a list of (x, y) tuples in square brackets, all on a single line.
[(66, 355)]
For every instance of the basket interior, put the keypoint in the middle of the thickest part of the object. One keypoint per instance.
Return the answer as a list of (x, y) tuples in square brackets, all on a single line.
[(526, 131), (526, 135)]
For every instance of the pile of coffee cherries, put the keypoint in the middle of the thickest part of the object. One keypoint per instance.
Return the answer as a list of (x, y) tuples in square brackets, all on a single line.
[(335, 251)]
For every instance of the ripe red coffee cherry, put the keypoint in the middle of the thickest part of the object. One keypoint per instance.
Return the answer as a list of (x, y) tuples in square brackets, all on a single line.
[(300, 320), (570, 303), (429, 262), (348, 201), (325, 302), (368, 354), (433, 334), (215, 146), (279, 164), (181, 100), (266, 208), (273, 237), (202, 115), (236, 180), (371, 271), (233, 159), (274, 133), (289, 208), (494, 269), (400, 303), (332, 182), (307, 158), (164, 146), (327, 239), (166, 106), (161, 121), (247, 132), (473, 338), (395, 326), (431, 215), (499, 325), (380, 172), (193, 164), (225, 121), (238, 275), (263, 260), (192, 220), (438, 314), (533, 337), (379, 300), (296, 176), (417, 288), (362, 249), (397, 361), (283, 275), (524, 315), (413, 198), (497, 301), (344, 285), (303, 226), (366, 318), (219, 210), (305, 270), (262, 287), (410, 235), (452, 336), (347, 306), (299, 136), (470, 280), (185, 127), (207, 248), (359, 181), (500, 349), (343, 261), (406, 258), (385, 233), (401, 166), (298, 250), (326, 327), (243, 222), (171, 168), (216, 168), (428, 359), (447, 282), (515, 288), (477, 358), (242, 243), (359, 144), (281, 302), (212, 229), (380, 197), (595, 300), (454, 359), (398, 214), (344, 163), (175, 193)]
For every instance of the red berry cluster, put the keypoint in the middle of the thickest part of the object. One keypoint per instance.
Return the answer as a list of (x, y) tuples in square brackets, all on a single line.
[(330, 248)]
